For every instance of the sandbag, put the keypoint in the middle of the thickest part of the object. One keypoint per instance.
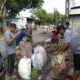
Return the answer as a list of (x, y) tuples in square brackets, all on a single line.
[(58, 63), (24, 68), (56, 60), (37, 61), (40, 49)]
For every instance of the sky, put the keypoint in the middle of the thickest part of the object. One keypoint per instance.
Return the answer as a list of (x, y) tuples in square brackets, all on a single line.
[(49, 5)]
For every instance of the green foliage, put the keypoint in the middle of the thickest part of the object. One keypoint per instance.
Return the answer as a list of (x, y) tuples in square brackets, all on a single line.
[(37, 3), (34, 74), (49, 18), (41, 15), (14, 6), (9, 8), (58, 18)]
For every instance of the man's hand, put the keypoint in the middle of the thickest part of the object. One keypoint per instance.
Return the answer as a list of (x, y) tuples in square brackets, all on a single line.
[(10, 42), (61, 49), (16, 35)]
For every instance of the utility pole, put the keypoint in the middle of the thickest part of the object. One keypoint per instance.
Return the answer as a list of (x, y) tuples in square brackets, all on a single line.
[(67, 8)]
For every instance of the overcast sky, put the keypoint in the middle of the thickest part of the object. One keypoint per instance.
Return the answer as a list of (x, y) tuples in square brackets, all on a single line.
[(49, 5)]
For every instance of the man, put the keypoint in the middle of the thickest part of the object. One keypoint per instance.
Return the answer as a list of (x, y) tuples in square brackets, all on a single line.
[(72, 40), (29, 31), (10, 45), (54, 37), (67, 25)]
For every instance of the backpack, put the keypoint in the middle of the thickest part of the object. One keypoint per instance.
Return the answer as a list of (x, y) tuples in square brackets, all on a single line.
[(1, 63)]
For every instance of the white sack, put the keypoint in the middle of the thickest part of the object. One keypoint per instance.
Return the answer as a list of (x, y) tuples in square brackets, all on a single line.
[(24, 68)]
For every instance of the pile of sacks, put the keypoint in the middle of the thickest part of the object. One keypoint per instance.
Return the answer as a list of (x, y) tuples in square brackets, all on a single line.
[(24, 48), (38, 59), (24, 58)]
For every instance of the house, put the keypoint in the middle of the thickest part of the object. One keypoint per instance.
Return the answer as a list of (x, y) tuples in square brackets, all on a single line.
[(22, 21)]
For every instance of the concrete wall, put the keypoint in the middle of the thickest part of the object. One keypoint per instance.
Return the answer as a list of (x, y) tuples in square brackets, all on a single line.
[(75, 23), (75, 11)]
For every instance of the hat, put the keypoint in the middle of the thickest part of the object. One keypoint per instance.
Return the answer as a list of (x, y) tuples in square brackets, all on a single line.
[(13, 25)]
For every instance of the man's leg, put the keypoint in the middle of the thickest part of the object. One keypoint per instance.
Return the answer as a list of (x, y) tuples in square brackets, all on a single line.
[(11, 63), (76, 74), (76, 61)]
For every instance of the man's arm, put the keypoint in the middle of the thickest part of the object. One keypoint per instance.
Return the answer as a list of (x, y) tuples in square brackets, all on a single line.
[(11, 40), (66, 41), (62, 48)]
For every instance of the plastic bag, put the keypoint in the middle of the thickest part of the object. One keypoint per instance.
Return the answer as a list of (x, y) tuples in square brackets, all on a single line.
[(37, 61), (40, 49), (24, 68)]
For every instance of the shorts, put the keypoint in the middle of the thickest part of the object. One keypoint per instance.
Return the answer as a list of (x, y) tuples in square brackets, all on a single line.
[(76, 61)]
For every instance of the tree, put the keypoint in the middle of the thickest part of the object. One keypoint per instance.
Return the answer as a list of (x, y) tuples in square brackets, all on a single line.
[(58, 18), (10, 8), (40, 15), (50, 18)]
